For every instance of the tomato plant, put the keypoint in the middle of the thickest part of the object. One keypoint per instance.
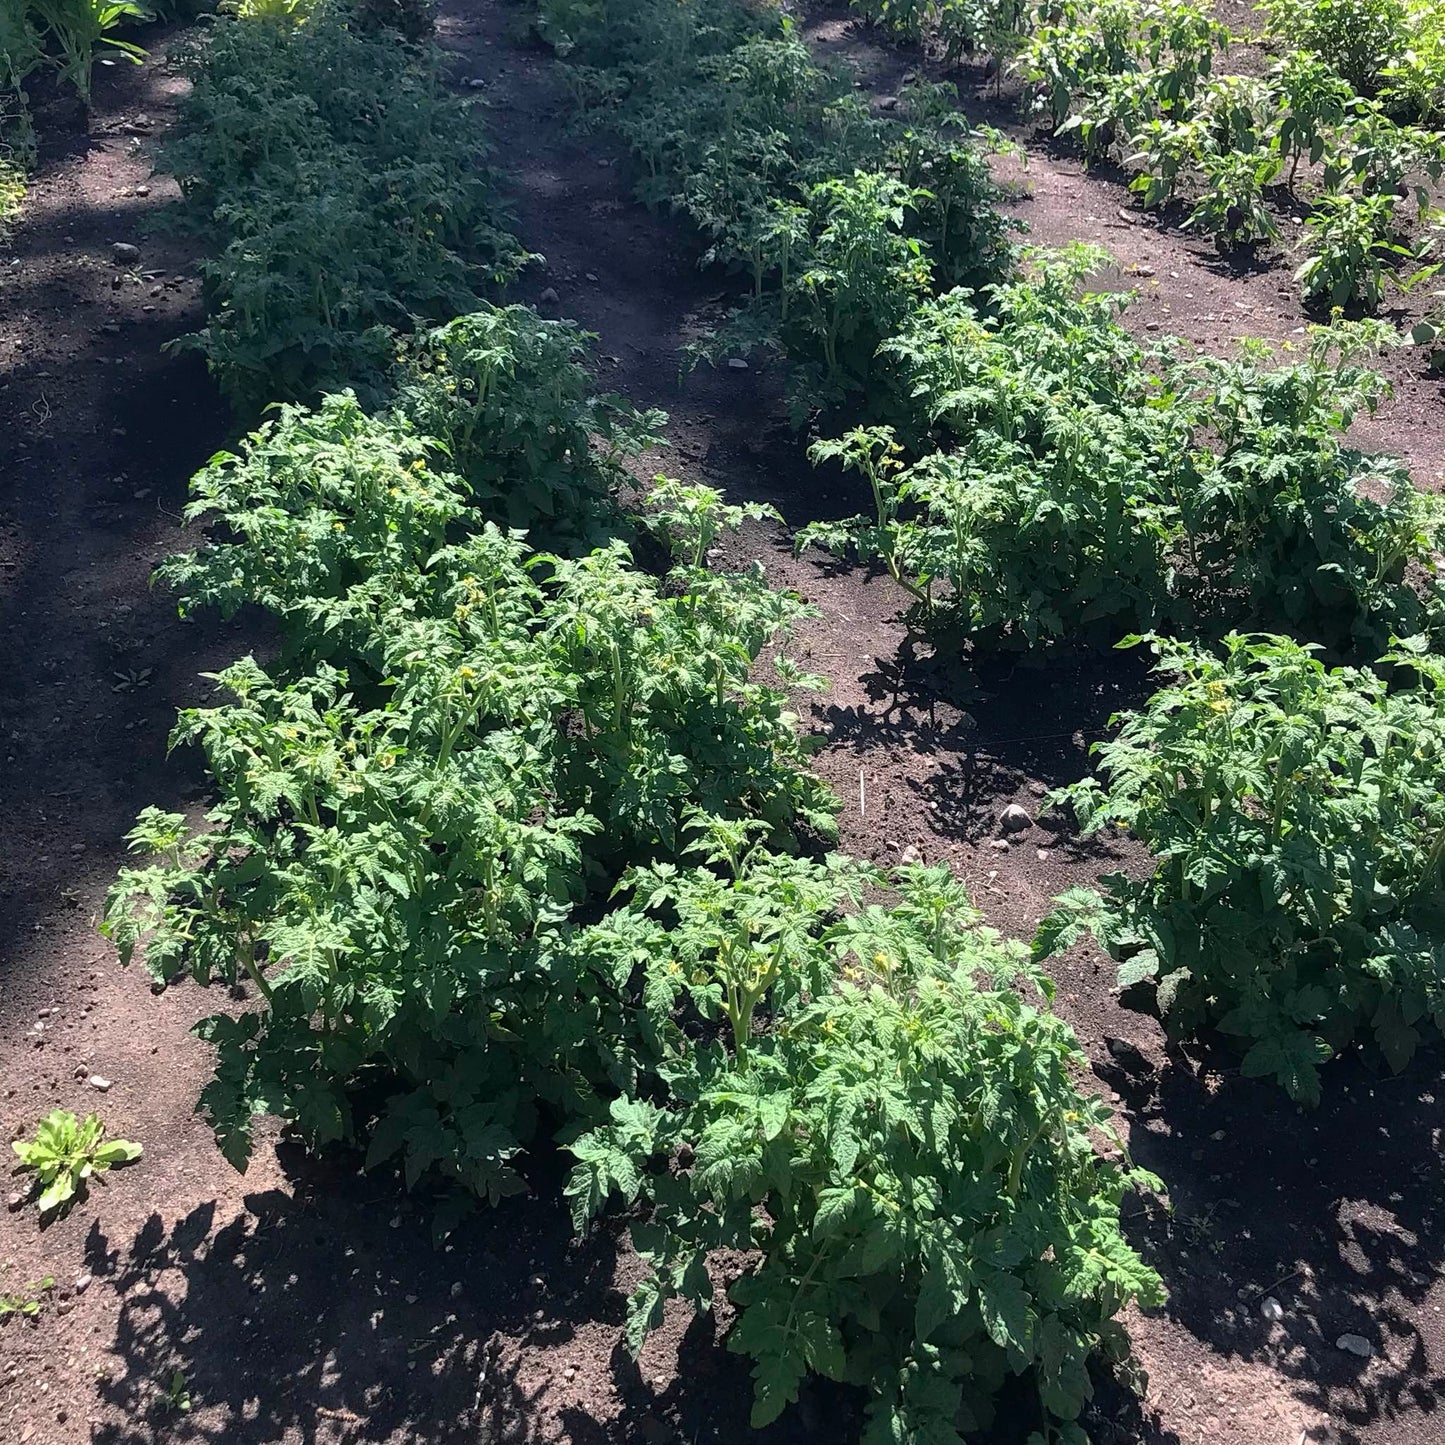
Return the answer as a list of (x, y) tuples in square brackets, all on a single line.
[(840, 219), (505, 398), (901, 1139), (402, 831), (337, 215), (1054, 481), (1295, 814)]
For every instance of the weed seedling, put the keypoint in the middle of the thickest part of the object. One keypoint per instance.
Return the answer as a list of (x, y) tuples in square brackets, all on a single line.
[(66, 1152)]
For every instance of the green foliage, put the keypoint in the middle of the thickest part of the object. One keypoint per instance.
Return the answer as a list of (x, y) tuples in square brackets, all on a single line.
[(338, 214), (66, 1153), (1233, 209), (178, 1393), (283, 12), (1307, 533), (404, 831), (1356, 38), (1378, 157), (12, 192), (888, 1121), (26, 1303), (505, 397), (856, 278), (1134, 81), (1090, 488), (1296, 816), (22, 49), (1084, 46), (413, 20), (1037, 524), (68, 34), (1352, 245), (1314, 100), (954, 27), (840, 219), (1413, 80)]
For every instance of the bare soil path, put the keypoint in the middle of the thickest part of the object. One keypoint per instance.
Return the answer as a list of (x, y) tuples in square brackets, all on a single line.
[(305, 1302)]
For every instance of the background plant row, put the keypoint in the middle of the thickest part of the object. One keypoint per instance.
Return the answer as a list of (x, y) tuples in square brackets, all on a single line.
[(1357, 97), (1038, 476)]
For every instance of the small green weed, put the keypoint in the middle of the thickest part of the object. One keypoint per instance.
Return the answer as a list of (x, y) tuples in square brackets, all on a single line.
[(66, 1153), (27, 1303)]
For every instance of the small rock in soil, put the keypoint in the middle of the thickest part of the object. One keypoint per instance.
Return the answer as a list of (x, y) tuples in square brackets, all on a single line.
[(549, 297), (1271, 1309), (124, 254), (1014, 819), (1001, 844), (457, 1290), (1355, 1345), (97, 1082), (911, 855), (736, 363), (14, 1201)]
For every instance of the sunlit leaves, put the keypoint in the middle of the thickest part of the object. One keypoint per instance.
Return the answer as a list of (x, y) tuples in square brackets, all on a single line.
[(901, 1136), (1295, 815)]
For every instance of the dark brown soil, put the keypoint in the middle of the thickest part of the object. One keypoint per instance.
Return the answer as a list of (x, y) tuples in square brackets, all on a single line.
[(304, 1302)]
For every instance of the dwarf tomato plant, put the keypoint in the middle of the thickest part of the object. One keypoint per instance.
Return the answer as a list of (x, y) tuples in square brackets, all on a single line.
[(466, 741)]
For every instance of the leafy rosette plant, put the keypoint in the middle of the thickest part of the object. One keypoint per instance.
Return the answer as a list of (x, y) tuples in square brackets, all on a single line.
[(870, 1104), (65, 1154), (1297, 818)]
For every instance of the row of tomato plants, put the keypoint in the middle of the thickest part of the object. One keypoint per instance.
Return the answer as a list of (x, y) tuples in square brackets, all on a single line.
[(1358, 98), (1039, 476), (511, 843)]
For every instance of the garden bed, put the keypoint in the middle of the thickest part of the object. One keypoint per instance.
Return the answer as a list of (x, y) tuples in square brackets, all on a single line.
[(304, 1302)]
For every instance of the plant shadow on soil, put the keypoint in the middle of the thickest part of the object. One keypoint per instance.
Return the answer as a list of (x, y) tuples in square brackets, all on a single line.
[(976, 735), (1317, 1209), (326, 1315)]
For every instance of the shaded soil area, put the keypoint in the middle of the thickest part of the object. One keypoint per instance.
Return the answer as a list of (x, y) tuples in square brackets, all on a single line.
[(305, 1301)]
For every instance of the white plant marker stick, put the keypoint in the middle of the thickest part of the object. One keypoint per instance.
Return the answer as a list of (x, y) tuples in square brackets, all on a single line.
[(862, 797)]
